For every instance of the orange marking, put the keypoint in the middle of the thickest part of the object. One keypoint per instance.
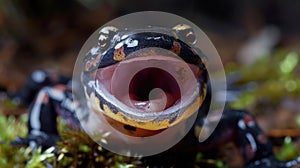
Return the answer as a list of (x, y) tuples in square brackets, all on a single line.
[(88, 65), (92, 63), (176, 48), (119, 54)]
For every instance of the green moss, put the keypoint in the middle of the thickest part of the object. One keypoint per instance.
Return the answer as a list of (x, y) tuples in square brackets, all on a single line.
[(76, 149)]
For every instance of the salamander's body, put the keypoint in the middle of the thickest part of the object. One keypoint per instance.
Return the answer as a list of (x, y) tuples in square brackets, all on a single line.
[(147, 86), (167, 83)]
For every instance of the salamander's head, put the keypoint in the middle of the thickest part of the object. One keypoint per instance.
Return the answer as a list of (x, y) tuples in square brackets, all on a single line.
[(146, 80)]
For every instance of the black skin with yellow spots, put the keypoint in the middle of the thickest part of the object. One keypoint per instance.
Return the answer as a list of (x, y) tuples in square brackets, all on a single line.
[(235, 125), (120, 48), (153, 39)]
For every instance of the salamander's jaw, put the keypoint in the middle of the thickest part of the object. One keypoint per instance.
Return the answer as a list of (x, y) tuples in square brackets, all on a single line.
[(143, 96)]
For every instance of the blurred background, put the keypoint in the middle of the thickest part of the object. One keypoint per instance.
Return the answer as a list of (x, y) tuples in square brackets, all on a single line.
[(49, 34), (258, 41)]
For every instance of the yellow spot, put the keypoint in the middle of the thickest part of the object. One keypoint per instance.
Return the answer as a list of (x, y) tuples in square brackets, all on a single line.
[(119, 54), (106, 109)]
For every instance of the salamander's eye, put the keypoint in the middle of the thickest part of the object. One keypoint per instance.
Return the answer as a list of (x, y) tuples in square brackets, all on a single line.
[(106, 34), (185, 33), (131, 43)]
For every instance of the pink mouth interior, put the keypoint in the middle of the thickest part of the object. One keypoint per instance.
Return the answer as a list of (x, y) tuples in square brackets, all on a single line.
[(142, 90), (150, 90)]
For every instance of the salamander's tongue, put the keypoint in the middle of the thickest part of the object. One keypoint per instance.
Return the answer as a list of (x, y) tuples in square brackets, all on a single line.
[(158, 101)]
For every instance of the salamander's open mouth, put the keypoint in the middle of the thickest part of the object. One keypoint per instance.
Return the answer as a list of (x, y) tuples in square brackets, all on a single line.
[(149, 84), (150, 89)]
